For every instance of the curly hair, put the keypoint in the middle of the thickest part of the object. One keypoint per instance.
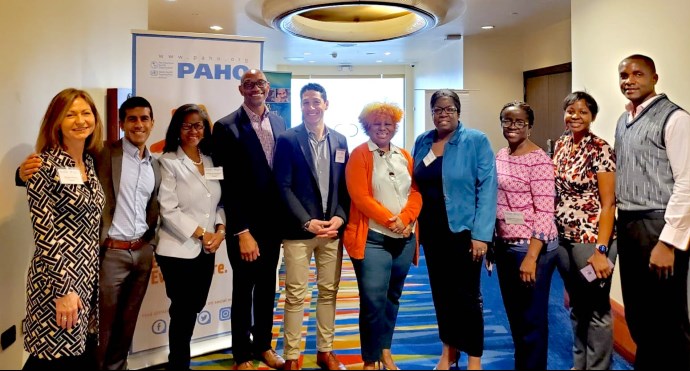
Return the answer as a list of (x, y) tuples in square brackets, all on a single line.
[(372, 110)]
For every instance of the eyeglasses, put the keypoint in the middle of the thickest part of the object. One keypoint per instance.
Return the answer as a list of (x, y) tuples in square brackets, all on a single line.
[(519, 124), (251, 84), (449, 110), (198, 126)]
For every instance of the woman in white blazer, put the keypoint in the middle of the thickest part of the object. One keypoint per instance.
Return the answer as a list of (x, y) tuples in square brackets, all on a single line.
[(192, 224)]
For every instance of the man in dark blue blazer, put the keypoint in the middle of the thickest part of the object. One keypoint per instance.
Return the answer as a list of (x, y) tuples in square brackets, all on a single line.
[(243, 144), (309, 164)]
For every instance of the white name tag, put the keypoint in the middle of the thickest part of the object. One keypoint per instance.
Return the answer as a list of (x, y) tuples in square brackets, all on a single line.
[(429, 158), (340, 156), (213, 173), (70, 175), (514, 217)]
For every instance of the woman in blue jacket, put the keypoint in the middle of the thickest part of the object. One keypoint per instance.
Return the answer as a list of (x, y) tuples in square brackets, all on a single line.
[(455, 170)]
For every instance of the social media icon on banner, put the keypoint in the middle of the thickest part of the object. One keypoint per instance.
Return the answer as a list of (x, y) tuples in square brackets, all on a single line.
[(224, 314), (159, 327), (204, 318)]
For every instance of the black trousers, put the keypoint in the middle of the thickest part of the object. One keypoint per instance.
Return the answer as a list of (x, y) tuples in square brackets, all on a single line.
[(84, 361), (253, 295), (656, 309), (454, 279), (187, 282)]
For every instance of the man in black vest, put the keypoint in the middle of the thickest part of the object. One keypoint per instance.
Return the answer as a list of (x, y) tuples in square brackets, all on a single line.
[(653, 199)]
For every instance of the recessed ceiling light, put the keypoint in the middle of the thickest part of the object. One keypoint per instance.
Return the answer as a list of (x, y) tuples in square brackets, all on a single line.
[(216, 28), (353, 22), (487, 27), (294, 59), (312, 61), (307, 53), (387, 53), (379, 61)]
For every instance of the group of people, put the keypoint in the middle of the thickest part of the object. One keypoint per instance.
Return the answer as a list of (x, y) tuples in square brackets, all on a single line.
[(252, 182), (560, 214)]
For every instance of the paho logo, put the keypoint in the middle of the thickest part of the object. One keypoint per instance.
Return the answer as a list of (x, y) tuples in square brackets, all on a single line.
[(210, 71)]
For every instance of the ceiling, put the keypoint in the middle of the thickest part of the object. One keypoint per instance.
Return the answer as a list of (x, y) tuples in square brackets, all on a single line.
[(464, 17)]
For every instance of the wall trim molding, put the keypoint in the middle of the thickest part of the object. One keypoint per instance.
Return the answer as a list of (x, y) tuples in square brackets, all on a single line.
[(622, 341)]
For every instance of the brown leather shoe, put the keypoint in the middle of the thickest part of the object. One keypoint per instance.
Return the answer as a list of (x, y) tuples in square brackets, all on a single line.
[(272, 359), (328, 361), (248, 365), (291, 364)]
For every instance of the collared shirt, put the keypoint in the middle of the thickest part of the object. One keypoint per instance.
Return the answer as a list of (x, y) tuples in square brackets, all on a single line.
[(390, 182), (262, 126), (136, 186), (320, 151), (676, 232)]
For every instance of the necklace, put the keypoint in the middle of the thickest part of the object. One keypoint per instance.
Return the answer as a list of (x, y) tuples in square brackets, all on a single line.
[(201, 160)]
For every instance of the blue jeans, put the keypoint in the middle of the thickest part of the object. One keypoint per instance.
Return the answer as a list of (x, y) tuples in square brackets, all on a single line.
[(527, 307), (380, 279)]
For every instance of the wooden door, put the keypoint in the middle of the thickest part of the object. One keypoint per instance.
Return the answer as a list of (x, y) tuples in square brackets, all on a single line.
[(545, 90)]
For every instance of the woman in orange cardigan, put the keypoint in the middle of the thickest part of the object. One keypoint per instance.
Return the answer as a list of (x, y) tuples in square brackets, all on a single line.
[(379, 235)]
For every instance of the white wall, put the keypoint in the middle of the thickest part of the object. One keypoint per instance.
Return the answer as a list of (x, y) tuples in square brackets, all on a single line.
[(546, 47), (442, 70), (48, 46), (493, 75), (604, 32), (494, 63)]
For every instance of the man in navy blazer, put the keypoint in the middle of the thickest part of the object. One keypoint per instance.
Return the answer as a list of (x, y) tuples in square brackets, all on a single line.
[(309, 164), (243, 143)]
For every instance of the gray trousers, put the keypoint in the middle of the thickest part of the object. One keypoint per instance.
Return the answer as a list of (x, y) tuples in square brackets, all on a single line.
[(124, 278), (590, 306)]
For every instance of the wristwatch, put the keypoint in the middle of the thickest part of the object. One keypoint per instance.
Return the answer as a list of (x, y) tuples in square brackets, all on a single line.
[(306, 225), (603, 249), (203, 232)]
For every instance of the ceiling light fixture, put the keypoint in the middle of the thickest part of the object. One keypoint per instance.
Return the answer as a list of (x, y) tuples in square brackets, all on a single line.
[(216, 28), (488, 27), (354, 21)]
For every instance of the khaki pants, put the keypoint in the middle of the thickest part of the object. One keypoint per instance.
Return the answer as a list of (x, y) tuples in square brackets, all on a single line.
[(328, 254)]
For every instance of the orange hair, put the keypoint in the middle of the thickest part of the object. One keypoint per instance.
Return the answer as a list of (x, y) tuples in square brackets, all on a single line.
[(372, 110)]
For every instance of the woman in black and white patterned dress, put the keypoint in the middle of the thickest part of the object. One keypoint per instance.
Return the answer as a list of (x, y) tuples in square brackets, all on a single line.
[(65, 201)]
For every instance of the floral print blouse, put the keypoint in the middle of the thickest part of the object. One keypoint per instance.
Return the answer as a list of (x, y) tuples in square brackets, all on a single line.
[(578, 203)]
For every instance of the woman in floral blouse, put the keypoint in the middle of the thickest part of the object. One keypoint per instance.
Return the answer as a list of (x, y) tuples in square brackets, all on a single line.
[(526, 235), (585, 183)]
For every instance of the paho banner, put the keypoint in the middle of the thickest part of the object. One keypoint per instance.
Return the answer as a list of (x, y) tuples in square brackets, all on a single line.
[(169, 70)]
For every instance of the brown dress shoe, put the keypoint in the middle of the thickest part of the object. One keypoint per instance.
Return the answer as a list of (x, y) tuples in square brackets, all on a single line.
[(272, 359), (248, 365), (291, 364), (328, 361)]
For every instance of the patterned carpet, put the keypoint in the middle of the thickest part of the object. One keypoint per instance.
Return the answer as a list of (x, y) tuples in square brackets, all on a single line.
[(416, 345)]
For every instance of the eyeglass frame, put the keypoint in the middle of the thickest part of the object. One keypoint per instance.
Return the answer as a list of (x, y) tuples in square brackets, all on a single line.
[(515, 123), (449, 110), (247, 84), (188, 126)]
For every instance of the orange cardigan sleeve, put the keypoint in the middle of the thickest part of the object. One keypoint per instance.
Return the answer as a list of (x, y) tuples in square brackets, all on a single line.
[(410, 212), (358, 175)]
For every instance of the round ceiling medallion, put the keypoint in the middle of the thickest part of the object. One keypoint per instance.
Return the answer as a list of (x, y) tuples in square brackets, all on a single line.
[(352, 21)]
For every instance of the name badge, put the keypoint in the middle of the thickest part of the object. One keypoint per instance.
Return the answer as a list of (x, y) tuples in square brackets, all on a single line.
[(429, 158), (340, 156), (514, 217), (213, 173), (70, 175)]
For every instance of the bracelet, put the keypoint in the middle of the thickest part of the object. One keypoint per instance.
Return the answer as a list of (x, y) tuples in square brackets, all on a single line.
[(203, 232)]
